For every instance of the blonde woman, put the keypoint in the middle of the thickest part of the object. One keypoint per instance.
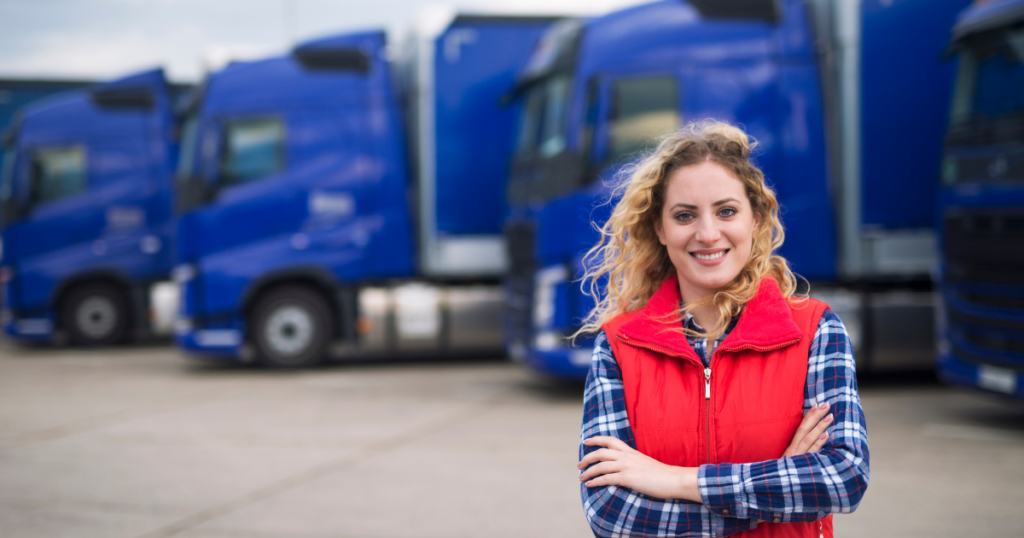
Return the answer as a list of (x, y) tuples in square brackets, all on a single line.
[(717, 402)]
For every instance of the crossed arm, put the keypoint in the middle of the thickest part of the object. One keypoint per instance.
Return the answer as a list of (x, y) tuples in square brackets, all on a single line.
[(617, 464), (626, 493)]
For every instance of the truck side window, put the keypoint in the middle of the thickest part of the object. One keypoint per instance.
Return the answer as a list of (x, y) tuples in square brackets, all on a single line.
[(642, 110), (57, 173), (552, 140), (542, 124), (530, 122), (254, 149)]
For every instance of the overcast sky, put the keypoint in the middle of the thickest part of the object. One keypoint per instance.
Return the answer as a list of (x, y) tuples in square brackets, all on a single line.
[(97, 39)]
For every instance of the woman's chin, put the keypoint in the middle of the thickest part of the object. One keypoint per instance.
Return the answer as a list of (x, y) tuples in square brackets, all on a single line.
[(709, 280)]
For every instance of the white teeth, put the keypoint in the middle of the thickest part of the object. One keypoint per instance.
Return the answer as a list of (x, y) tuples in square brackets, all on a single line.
[(714, 256)]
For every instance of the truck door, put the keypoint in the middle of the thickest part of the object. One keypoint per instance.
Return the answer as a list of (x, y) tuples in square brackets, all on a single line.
[(244, 160), (59, 218)]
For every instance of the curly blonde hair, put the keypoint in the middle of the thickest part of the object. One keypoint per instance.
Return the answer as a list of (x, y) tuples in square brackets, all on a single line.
[(628, 264)]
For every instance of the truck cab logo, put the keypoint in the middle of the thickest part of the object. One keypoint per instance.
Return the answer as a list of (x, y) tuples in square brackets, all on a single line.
[(332, 204), (125, 217)]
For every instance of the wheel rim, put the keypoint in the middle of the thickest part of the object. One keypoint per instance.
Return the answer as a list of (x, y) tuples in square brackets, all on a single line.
[(96, 317), (289, 331)]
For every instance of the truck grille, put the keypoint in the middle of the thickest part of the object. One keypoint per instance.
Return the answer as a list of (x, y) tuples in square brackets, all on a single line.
[(985, 246), (984, 275), (519, 282)]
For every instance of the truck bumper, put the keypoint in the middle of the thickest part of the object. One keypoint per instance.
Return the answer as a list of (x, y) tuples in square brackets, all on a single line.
[(957, 371), (562, 362), (224, 342), (37, 329)]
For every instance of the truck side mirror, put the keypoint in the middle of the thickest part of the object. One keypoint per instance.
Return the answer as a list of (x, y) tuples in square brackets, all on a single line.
[(193, 191), (10, 210)]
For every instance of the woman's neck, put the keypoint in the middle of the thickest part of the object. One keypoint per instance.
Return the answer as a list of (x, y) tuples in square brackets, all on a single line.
[(705, 316)]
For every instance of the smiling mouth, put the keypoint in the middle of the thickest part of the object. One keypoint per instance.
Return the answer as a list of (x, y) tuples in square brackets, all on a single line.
[(713, 256)]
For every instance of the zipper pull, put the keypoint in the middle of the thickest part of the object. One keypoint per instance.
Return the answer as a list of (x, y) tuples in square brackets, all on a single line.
[(821, 530), (707, 383)]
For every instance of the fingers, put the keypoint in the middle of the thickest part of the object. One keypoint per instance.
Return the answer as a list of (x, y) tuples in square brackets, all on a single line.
[(604, 467), (811, 419), (603, 454), (612, 479), (814, 436), (804, 437), (822, 439), (607, 442)]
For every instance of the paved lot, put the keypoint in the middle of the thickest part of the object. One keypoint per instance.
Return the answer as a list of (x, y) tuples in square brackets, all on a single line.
[(139, 442)]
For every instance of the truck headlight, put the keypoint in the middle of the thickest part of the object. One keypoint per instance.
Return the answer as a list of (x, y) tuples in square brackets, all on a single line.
[(544, 283), (184, 273)]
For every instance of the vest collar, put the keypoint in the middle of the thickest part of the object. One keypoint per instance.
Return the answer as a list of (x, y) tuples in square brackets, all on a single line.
[(766, 322)]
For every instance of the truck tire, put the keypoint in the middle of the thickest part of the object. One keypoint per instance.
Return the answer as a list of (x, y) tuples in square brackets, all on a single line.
[(291, 327), (95, 315)]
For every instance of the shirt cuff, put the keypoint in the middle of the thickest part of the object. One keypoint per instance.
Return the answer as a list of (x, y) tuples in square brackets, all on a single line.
[(721, 489)]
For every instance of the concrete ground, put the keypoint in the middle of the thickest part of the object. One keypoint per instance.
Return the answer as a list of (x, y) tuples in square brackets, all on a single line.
[(139, 442)]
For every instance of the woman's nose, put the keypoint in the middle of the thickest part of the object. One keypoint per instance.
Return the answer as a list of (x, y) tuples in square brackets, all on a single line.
[(708, 232)]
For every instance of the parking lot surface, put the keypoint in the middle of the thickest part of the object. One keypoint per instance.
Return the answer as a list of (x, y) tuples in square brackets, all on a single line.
[(140, 442)]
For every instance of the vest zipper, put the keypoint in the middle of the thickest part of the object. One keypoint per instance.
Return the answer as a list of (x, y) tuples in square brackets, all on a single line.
[(821, 529), (707, 408)]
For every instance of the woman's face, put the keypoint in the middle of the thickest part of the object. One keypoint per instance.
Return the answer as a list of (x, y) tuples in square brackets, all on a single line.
[(707, 227)]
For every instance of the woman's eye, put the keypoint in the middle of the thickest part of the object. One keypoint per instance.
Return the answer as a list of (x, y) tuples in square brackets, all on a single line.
[(727, 212), (684, 216)]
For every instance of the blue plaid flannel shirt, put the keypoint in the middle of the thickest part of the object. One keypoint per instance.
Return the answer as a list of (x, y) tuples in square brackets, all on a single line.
[(799, 488)]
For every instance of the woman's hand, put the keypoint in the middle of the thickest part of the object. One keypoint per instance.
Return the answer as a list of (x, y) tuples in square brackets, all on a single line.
[(810, 435), (619, 465)]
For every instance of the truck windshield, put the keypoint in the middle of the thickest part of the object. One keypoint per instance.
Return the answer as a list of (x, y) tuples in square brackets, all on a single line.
[(989, 93)]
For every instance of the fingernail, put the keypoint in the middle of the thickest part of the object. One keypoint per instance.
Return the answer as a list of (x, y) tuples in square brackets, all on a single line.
[(824, 405), (824, 435), (829, 417)]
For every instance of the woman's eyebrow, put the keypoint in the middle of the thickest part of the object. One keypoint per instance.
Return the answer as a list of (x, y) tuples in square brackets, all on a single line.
[(718, 203)]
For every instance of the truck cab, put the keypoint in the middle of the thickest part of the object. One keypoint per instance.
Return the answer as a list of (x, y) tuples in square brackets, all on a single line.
[(596, 96), (87, 212), (981, 205), (335, 202)]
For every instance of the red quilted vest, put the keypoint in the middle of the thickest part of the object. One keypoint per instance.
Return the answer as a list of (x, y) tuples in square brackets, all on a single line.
[(746, 410)]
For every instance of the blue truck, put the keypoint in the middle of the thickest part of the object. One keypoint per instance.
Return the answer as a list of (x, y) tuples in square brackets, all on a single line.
[(86, 206), (981, 205), (847, 99), (347, 199)]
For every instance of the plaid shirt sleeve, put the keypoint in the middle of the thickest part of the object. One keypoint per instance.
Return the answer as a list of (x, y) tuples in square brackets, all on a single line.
[(809, 486), (615, 511)]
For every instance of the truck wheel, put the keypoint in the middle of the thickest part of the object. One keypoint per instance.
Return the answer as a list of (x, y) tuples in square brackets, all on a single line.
[(95, 314), (291, 327)]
